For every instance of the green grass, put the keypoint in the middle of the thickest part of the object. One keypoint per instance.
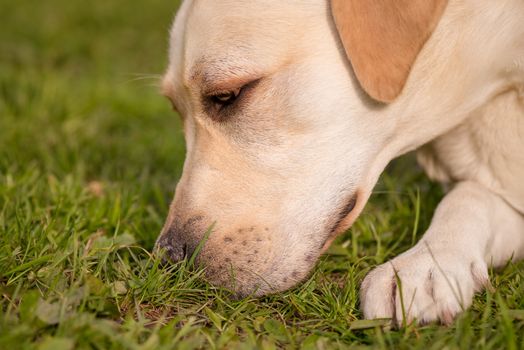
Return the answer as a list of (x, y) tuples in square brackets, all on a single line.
[(89, 157)]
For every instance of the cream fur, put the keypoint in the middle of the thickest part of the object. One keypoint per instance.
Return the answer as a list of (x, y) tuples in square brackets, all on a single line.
[(274, 175)]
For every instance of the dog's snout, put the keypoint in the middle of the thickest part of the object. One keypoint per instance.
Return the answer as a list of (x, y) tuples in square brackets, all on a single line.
[(178, 241)]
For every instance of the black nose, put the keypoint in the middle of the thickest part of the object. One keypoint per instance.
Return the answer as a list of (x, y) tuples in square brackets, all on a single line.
[(171, 249), (178, 241)]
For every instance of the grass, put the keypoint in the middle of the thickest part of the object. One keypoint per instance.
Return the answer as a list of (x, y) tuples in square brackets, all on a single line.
[(89, 156)]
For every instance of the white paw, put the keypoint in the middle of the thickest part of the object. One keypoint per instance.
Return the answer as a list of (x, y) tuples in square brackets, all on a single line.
[(423, 285)]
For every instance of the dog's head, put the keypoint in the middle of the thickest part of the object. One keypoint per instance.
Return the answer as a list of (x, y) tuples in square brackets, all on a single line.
[(283, 147)]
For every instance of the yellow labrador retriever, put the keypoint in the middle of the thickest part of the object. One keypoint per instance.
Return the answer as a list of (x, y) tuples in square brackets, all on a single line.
[(291, 111)]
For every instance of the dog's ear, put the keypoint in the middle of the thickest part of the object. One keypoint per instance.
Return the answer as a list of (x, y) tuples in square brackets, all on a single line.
[(382, 39)]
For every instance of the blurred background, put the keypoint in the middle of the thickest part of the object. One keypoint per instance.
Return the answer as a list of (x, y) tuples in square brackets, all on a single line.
[(79, 96)]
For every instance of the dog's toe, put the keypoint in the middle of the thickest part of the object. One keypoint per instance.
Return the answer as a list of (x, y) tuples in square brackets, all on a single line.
[(422, 287)]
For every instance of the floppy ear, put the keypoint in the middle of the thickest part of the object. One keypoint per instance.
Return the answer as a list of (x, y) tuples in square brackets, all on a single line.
[(382, 39)]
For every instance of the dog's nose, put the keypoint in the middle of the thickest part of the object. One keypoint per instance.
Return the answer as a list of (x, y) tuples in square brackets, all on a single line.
[(177, 241), (172, 250)]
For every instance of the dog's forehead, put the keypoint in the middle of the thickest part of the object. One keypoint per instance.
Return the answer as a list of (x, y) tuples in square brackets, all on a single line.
[(212, 37)]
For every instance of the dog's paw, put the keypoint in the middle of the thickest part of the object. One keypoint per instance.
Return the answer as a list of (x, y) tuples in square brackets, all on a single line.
[(423, 285)]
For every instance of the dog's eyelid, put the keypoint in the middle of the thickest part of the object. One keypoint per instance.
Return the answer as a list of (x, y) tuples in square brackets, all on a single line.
[(234, 91), (226, 86)]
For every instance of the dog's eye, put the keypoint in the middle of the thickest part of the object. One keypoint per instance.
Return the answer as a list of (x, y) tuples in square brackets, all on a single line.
[(221, 105), (226, 98)]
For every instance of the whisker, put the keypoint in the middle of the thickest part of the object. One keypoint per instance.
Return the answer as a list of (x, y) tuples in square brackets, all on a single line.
[(139, 77)]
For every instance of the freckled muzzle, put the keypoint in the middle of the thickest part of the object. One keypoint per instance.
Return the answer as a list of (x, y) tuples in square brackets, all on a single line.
[(246, 260)]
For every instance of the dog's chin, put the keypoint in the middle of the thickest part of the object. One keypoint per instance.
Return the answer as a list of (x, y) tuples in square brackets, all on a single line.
[(254, 289), (244, 281)]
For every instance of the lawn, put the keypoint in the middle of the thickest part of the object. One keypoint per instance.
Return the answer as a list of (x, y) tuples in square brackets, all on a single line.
[(89, 157)]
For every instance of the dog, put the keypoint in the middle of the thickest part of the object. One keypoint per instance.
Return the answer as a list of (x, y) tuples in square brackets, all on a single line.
[(292, 109)]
